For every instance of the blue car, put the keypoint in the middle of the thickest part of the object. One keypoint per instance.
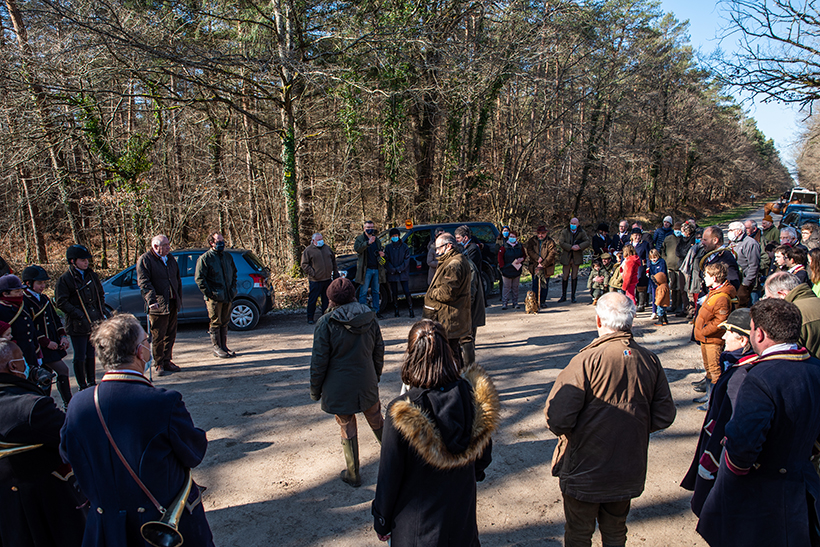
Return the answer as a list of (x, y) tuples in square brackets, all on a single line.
[(254, 297)]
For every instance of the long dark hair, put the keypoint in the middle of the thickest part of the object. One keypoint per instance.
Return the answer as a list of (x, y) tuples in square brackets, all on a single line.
[(428, 362), (814, 265)]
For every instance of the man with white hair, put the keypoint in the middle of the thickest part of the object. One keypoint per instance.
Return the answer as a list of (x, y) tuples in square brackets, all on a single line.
[(319, 263), (788, 287), (788, 236), (603, 406), (161, 287), (747, 251)]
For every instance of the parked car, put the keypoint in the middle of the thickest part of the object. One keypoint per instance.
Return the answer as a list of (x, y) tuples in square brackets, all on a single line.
[(792, 207), (253, 295), (796, 219), (417, 239)]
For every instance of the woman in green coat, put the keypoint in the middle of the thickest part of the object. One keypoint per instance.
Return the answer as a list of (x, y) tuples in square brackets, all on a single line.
[(345, 367)]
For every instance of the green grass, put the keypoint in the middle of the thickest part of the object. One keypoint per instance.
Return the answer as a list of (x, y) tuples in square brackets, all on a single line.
[(733, 214)]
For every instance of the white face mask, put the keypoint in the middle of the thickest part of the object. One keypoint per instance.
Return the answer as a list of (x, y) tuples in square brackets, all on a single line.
[(150, 358)]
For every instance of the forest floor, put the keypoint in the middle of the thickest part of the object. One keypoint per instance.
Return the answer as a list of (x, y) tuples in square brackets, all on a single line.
[(273, 461)]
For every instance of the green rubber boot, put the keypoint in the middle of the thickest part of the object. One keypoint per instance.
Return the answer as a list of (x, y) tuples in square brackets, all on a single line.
[(351, 474)]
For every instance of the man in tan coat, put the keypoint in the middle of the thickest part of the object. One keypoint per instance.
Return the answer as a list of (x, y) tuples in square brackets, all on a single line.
[(603, 406), (541, 254), (448, 297)]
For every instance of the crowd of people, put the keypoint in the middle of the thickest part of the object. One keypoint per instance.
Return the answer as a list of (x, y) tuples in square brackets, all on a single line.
[(121, 454)]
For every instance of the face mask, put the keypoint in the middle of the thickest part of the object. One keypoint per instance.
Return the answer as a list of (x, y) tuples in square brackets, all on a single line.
[(654, 262), (505, 233), (371, 232), (25, 373), (512, 239), (219, 246), (394, 239), (697, 241), (320, 242), (573, 227), (678, 233), (149, 361)]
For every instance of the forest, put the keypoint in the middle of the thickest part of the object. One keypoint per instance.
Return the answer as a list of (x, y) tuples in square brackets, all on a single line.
[(271, 120)]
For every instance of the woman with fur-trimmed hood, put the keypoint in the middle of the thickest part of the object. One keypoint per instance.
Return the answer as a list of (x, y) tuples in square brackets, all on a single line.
[(435, 446)]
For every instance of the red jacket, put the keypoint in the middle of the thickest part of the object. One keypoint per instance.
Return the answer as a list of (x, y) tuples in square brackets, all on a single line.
[(631, 268)]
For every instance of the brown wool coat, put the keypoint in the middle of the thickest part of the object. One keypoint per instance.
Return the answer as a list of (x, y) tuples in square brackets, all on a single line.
[(715, 310), (605, 403), (548, 253), (662, 294), (448, 297), (567, 239)]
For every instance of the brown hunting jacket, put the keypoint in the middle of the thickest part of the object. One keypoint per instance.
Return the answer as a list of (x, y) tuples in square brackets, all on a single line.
[(604, 405)]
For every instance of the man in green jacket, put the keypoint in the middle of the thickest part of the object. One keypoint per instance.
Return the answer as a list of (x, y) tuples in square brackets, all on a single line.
[(216, 278), (370, 269), (788, 287), (448, 298)]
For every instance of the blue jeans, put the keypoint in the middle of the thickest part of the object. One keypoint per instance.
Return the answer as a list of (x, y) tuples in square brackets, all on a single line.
[(371, 281)]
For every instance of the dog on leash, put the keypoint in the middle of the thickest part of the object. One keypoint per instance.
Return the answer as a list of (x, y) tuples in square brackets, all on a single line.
[(531, 303)]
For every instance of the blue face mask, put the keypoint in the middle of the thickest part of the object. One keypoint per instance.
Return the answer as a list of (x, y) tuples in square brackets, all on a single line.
[(697, 241), (573, 227), (320, 243), (512, 239), (678, 233), (505, 233), (394, 239), (150, 359)]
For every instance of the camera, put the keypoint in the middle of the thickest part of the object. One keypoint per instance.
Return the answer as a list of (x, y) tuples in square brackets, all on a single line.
[(42, 377)]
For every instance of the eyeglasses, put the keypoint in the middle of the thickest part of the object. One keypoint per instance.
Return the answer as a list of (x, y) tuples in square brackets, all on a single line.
[(440, 246)]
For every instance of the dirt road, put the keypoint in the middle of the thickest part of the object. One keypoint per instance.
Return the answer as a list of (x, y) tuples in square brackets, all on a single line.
[(273, 463)]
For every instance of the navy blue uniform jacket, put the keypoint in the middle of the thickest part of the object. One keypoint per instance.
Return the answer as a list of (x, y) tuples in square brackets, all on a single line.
[(158, 438), (767, 490)]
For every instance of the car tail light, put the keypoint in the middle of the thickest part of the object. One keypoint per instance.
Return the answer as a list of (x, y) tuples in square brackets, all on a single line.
[(258, 281)]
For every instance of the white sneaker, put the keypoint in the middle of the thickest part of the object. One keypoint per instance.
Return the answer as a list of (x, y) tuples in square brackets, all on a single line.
[(654, 316)]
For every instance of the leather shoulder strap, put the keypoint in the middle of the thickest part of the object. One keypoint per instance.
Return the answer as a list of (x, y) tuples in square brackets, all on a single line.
[(134, 476)]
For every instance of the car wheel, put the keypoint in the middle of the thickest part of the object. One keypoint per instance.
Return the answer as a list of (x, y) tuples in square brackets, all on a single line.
[(487, 281), (244, 315)]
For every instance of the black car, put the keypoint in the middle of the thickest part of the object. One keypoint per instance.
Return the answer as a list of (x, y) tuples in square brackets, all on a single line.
[(796, 219), (418, 237)]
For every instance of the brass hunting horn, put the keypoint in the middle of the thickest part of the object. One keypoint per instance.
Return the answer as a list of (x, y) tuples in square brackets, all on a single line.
[(10, 449), (163, 532)]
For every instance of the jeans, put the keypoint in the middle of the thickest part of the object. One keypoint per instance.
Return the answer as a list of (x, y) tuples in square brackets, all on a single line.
[(371, 281), (317, 289)]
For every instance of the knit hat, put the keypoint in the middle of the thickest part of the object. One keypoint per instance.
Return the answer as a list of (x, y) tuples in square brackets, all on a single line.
[(341, 291), (394, 232), (541, 229), (668, 219), (739, 322), (768, 218)]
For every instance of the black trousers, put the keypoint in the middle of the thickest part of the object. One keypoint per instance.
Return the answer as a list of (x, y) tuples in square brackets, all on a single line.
[(316, 290), (85, 364), (394, 288)]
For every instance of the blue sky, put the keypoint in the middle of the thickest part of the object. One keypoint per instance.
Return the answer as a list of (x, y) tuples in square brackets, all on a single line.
[(776, 120)]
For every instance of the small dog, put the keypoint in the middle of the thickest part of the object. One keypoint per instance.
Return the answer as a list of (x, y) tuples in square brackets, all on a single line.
[(531, 303)]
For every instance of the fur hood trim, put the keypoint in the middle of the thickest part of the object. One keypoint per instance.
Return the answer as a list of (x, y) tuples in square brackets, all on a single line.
[(420, 430)]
